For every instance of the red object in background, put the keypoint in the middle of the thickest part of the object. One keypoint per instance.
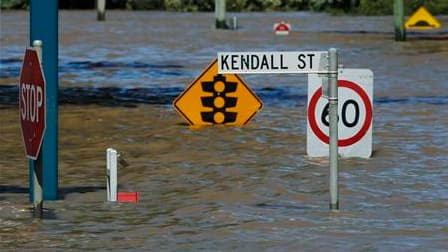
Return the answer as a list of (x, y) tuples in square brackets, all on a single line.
[(282, 28), (128, 197)]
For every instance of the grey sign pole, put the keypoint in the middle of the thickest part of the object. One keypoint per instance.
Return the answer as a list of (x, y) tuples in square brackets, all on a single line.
[(101, 10), (333, 113), (220, 14), (38, 201)]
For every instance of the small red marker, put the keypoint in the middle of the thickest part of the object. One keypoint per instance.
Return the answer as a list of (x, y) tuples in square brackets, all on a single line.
[(282, 28), (128, 197)]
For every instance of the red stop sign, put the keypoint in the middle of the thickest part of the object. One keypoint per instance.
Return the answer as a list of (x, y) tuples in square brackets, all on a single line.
[(32, 103)]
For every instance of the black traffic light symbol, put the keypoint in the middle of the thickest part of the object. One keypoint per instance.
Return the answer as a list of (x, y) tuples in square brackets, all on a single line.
[(219, 101)]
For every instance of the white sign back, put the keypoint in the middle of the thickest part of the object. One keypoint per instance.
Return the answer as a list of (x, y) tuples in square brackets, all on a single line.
[(355, 113), (272, 62)]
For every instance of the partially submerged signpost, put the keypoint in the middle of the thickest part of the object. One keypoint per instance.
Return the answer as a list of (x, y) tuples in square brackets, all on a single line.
[(214, 98), (422, 20), (355, 93), (320, 62), (32, 113), (282, 28)]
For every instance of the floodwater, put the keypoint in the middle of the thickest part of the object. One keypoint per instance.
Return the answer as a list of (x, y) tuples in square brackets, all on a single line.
[(227, 188)]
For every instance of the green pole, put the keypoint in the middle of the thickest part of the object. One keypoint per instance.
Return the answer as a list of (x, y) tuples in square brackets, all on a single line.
[(44, 26), (400, 32)]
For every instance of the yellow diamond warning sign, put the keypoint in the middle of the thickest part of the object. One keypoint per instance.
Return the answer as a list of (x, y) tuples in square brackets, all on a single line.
[(422, 20), (214, 98)]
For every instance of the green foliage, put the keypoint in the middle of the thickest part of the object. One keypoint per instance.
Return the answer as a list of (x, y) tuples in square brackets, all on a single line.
[(173, 5), (360, 7), (318, 5), (188, 5), (376, 7), (13, 4), (385, 7), (435, 7), (142, 4)]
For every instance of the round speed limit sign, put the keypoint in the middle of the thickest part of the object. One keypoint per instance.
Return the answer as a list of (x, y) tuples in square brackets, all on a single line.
[(355, 114)]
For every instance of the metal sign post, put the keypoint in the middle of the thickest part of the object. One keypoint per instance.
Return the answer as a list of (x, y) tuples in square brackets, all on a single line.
[(44, 26), (101, 10), (32, 114), (333, 113), (319, 62), (38, 201), (400, 32)]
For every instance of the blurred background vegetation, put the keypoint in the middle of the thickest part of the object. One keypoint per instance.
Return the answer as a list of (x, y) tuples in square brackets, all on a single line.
[(356, 7)]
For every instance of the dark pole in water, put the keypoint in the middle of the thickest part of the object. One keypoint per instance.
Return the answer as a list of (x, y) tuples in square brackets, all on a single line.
[(220, 14), (101, 10), (44, 26), (400, 32)]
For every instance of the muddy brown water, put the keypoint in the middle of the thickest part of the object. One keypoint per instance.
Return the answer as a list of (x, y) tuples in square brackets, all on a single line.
[(227, 188)]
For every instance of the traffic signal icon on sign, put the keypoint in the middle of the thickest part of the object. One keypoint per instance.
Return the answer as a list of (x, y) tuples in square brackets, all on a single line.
[(219, 101)]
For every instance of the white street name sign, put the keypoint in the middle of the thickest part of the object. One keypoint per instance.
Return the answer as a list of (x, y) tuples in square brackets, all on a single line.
[(272, 62)]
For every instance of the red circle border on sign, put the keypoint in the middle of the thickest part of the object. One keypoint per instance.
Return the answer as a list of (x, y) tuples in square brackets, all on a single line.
[(365, 127)]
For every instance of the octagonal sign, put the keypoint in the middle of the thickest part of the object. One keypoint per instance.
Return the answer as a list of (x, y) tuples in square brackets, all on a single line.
[(32, 103)]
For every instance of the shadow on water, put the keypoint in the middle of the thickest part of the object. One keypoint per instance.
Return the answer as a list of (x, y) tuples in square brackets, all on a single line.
[(111, 64), (412, 35), (130, 97), (429, 35), (63, 191), (47, 213), (282, 207), (434, 38), (10, 67)]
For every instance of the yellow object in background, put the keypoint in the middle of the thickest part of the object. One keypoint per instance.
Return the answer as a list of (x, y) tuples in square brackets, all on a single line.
[(422, 20)]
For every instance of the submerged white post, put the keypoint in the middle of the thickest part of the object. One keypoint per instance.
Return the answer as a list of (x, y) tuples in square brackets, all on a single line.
[(111, 178)]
